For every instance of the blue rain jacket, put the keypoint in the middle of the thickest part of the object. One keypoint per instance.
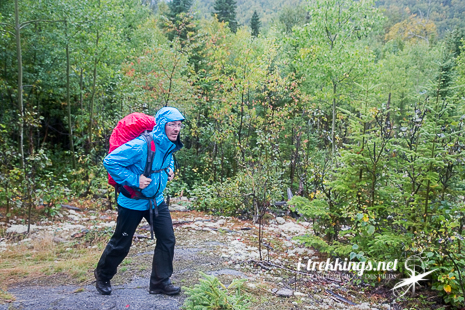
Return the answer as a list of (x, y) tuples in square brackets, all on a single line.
[(126, 163)]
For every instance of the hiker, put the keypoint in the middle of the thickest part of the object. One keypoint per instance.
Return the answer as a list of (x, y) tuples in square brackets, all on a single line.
[(126, 165)]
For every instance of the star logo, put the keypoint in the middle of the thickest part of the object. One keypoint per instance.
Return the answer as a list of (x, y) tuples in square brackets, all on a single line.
[(412, 264)]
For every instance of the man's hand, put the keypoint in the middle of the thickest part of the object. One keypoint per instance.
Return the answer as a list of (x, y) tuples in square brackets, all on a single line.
[(170, 175), (144, 181)]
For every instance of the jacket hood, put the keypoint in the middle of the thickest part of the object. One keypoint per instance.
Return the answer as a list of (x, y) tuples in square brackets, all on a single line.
[(163, 116)]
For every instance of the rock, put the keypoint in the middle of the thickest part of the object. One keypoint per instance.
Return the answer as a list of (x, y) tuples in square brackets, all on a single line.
[(177, 208), (292, 227), (280, 220), (184, 199), (220, 222), (59, 240), (386, 306), (304, 224), (73, 218), (364, 306), (109, 224), (25, 240), (20, 229), (327, 301), (288, 244), (72, 212), (3, 246), (284, 292)]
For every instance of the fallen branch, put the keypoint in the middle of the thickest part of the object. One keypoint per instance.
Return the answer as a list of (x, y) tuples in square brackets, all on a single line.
[(70, 207), (340, 298)]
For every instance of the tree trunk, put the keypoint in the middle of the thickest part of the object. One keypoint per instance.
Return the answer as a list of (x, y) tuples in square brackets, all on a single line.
[(91, 109), (7, 204), (333, 141), (20, 84), (68, 103), (29, 208), (81, 85)]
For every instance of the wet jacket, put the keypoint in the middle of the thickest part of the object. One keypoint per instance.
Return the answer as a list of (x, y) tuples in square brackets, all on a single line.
[(126, 163)]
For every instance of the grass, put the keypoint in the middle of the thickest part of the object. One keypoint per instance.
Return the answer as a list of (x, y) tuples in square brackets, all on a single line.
[(42, 257), (6, 297)]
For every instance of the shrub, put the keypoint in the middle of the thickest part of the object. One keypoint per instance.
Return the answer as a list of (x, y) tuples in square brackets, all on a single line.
[(210, 293)]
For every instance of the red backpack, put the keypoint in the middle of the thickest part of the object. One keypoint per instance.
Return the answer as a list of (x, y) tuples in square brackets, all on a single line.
[(129, 128)]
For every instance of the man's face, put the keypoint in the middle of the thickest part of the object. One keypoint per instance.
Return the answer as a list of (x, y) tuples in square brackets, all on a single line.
[(172, 130)]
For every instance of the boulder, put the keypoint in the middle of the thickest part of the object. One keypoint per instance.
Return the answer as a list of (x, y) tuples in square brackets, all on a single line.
[(285, 292)]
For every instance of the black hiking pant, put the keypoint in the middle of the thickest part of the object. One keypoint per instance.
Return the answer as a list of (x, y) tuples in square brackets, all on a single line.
[(118, 247)]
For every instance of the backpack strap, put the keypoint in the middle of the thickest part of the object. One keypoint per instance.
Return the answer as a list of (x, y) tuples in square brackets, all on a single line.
[(150, 152)]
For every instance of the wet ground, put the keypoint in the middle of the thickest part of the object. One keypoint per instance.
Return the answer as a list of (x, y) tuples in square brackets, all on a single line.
[(130, 287), (224, 247)]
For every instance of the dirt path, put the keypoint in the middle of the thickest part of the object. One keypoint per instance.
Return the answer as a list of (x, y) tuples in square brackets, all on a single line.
[(221, 246)]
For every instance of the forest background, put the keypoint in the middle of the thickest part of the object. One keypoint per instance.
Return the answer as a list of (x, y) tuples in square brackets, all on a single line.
[(356, 106)]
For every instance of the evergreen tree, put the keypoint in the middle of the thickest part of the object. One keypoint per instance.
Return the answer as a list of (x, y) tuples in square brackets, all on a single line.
[(255, 24), (179, 21), (177, 7), (225, 10)]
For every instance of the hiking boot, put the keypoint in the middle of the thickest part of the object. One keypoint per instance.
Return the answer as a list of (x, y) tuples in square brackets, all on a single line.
[(167, 289), (103, 287)]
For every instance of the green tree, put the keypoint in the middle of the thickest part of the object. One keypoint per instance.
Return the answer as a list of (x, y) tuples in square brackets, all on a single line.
[(225, 11), (255, 24), (177, 7), (291, 16), (179, 21), (332, 51)]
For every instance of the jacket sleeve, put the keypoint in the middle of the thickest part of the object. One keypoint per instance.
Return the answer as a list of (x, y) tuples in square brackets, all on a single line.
[(118, 162)]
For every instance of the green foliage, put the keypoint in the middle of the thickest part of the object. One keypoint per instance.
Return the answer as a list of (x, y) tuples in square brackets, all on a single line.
[(445, 14), (177, 7), (210, 293), (369, 134), (225, 11), (255, 24), (240, 196), (292, 15)]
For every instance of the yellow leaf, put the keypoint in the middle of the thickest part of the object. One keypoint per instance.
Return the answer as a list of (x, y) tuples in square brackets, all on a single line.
[(447, 288), (365, 217)]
